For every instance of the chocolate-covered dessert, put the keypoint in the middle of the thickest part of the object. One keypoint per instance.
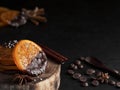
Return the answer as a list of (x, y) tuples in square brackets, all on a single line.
[(26, 66)]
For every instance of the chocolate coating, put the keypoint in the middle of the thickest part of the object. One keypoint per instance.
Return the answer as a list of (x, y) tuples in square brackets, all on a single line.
[(37, 65)]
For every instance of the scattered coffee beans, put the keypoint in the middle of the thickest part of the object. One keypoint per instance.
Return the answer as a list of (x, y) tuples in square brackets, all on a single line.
[(94, 77), (73, 66)]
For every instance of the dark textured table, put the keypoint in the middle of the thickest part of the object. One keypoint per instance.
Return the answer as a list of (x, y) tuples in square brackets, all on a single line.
[(74, 28)]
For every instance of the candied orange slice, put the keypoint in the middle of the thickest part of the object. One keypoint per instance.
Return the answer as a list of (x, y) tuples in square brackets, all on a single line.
[(8, 16), (24, 52), (29, 57)]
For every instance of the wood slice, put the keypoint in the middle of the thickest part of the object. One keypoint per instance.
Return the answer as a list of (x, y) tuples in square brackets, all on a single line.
[(50, 80)]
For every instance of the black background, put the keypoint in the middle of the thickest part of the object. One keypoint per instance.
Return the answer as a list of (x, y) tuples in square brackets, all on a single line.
[(75, 28)]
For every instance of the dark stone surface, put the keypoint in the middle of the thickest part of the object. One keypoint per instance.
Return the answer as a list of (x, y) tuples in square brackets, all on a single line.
[(75, 28)]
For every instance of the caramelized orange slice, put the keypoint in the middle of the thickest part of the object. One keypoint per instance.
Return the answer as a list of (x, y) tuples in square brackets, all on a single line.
[(8, 16), (29, 57)]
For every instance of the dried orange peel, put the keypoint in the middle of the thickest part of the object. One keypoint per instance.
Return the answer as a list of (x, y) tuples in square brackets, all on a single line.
[(23, 53)]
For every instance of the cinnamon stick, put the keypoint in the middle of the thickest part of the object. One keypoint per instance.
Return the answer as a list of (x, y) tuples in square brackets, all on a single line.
[(34, 21), (58, 57)]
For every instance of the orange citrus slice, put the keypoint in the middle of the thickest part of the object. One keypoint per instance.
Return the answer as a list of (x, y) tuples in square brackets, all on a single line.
[(8, 15), (29, 57)]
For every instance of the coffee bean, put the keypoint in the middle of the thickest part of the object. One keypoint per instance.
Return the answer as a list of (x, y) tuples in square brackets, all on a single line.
[(72, 65), (95, 82), (77, 62), (112, 82), (90, 71), (71, 72), (85, 84), (83, 79), (75, 67), (76, 75), (80, 66), (118, 84)]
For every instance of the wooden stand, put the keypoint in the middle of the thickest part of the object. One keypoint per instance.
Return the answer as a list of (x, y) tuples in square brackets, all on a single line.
[(50, 80)]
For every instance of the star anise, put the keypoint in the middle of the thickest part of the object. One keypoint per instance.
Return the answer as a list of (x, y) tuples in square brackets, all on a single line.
[(22, 79), (104, 77)]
